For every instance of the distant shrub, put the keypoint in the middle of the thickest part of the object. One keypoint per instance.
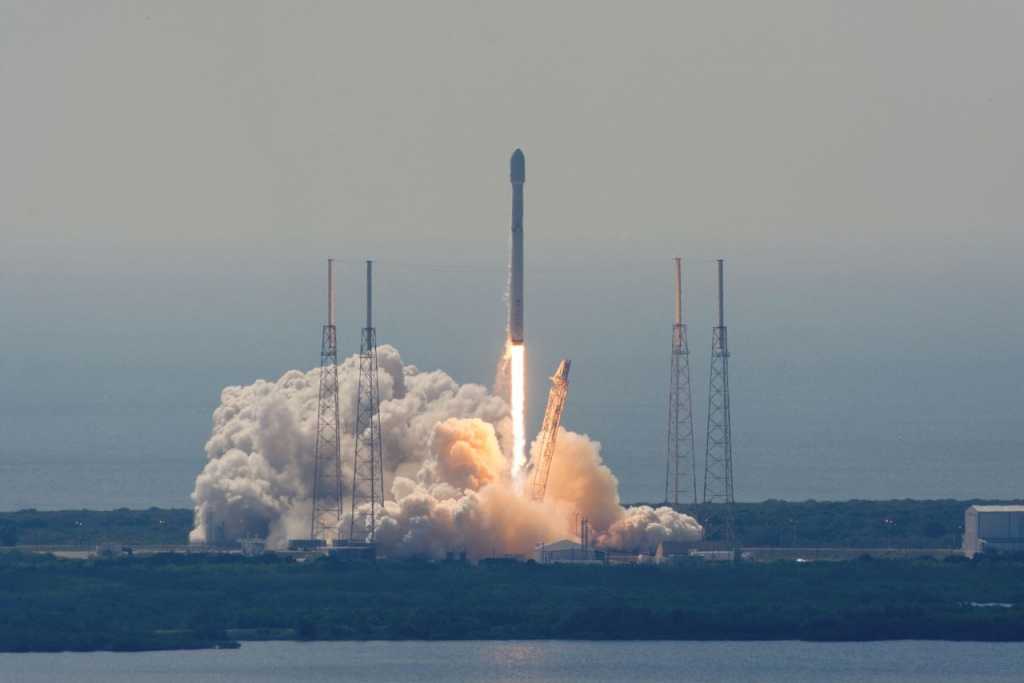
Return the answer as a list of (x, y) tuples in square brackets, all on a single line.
[(8, 534)]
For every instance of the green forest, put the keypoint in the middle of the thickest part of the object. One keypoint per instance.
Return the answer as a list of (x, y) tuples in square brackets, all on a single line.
[(164, 600), (907, 524), (174, 601), (68, 528)]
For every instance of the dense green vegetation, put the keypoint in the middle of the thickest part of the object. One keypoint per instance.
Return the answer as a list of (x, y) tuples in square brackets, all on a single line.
[(186, 601), (913, 524), (153, 527), (773, 523), (853, 523), (173, 601)]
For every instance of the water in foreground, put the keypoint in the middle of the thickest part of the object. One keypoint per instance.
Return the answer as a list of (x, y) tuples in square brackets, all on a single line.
[(273, 662)]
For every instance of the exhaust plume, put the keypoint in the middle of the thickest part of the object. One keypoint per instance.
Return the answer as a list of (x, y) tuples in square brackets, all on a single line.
[(448, 470), (518, 396)]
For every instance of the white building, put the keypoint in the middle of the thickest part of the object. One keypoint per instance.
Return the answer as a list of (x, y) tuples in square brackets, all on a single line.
[(993, 527), (566, 551)]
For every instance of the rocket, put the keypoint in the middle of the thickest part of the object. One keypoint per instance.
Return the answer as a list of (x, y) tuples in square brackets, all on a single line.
[(517, 167)]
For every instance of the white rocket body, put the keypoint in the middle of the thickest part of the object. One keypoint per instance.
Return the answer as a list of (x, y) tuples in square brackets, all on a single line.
[(517, 168)]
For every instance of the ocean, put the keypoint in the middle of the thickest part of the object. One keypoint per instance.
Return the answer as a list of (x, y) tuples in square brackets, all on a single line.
[(129, 445), (536, 662)]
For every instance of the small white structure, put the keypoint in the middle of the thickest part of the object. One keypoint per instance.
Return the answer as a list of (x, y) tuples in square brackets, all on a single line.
[(714, 555), (111, 550), (682, 552), (566, 551), (993, 527)]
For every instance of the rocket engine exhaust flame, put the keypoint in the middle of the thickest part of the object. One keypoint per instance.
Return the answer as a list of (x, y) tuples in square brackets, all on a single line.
[(518, 395)]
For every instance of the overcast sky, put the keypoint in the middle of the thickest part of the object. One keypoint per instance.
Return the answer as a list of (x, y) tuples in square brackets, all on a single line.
[(174, 175), (666, 119)]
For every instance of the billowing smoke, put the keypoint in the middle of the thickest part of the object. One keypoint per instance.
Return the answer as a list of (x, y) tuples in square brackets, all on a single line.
[(447, 452)]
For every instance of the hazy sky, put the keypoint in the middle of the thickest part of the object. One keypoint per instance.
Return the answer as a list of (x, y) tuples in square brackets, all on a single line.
[(174, 175)]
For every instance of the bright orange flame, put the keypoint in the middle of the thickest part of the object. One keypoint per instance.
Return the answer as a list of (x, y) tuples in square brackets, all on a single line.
[(517, 352)]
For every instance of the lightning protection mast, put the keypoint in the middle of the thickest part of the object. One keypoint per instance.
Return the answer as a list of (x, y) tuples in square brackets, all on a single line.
[(368, 471), (681, 468), (327, 470), (718, 514)]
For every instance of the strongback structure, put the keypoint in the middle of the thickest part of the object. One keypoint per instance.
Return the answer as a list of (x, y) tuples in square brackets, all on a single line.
[(549, 432), (368, 471), (718, 513), (680, 469), (327, 470)]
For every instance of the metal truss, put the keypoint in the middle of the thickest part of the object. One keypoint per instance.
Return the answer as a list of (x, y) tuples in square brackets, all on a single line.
[(368, 472), (327, 498), (718, 515), (680, 468)]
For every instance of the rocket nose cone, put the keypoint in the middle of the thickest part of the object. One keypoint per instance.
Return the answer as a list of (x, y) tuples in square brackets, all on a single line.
[(518, 166)]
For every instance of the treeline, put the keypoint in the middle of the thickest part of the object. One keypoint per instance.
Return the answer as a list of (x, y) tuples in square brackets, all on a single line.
[(855, 523), (177, 601), (152, 527), (908, 524)]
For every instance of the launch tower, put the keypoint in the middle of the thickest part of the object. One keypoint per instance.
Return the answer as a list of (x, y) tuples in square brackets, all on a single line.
[(368, 472), (718, 513), (548, 433), (680, 469), (327, 470)]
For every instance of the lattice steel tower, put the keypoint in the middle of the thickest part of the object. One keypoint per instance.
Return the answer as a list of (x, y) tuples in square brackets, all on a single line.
[(549, 432), (681, 468), (326, 516), (718, 514), (368, 472)]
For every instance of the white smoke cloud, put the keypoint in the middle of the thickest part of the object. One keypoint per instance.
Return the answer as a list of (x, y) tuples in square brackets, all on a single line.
[(643, 527), (446, 458)]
